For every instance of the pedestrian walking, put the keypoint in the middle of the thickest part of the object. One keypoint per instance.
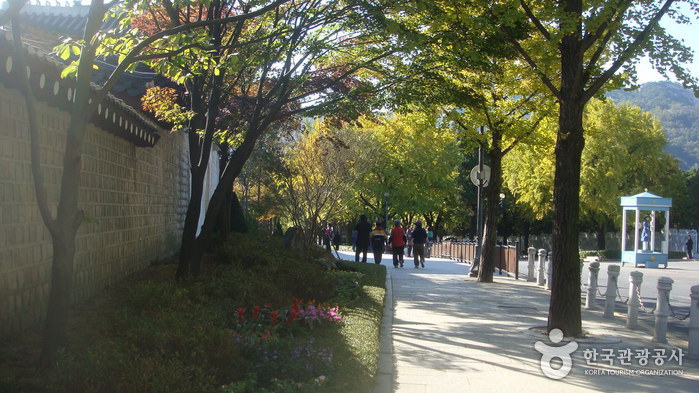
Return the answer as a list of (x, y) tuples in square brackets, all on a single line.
[(689, 246), (327, 236), (378, 241), (430, 240), (363, 229), (354, 240), (397, 241), (337, 239), (409, 236), (419, 244)]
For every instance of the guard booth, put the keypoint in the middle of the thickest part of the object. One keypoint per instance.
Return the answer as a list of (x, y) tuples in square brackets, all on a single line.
[(644, 250)]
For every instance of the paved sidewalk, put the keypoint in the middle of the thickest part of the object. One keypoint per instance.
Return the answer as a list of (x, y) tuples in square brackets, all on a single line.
[(445, 332)]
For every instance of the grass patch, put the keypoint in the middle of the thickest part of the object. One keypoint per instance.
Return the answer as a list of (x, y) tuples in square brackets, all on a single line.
[(237, 328)]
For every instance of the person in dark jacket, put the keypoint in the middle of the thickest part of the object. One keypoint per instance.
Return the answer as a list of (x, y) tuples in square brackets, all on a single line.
[(363, 229), (337, 238), (689, 245), (419, 244), (378, 241)]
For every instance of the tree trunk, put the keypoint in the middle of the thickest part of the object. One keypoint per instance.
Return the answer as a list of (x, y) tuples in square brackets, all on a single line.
[(193, 246), (191, 249), (238, 221), (223, 222), (564, 309), (601, 241), (525, 234), (492, 195), (223, 225), (57, 313), (191, 224)]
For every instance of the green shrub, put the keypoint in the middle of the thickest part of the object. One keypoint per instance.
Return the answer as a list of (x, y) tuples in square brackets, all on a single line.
[(677, 254), (158, 335), (110, 368), (348, 286), (602, 254), (279, 274)]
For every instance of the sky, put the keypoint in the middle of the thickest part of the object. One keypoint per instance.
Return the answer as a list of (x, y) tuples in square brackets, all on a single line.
[(688, 33)]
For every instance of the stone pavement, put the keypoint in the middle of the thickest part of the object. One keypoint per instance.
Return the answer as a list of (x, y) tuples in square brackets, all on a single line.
[(444, 332)]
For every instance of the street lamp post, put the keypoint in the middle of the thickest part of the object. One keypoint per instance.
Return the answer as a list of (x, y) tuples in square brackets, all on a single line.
[(475, 265), (502, 212), (385, 222)]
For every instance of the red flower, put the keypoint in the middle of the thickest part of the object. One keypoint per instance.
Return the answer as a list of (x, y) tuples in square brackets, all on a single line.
[(274, 315), (255, 312), (241, 313), (293, 314)]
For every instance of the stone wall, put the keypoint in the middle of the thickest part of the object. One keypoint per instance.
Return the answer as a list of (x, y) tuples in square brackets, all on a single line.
[(135, 199)]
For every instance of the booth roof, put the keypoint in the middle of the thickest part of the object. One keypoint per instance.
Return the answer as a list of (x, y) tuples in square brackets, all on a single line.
[(647, 201)]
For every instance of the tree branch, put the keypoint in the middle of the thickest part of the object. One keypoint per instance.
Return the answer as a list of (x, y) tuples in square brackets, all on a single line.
[(628, 52), (589, 39), (544, 78), (130, 58), (535, 20), (32, 118)]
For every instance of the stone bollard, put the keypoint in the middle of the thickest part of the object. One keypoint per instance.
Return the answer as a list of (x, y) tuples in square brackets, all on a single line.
[(610, 295), (693, 350), (635, 280), (530, 264), (592, 286), (549, 270), (662, 309), (540, 279)]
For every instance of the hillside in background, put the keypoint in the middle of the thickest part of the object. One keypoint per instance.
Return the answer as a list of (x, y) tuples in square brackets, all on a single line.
[(678, 111)]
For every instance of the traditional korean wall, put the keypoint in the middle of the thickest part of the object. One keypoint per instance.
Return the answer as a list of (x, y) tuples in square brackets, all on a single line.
[(135, 199)]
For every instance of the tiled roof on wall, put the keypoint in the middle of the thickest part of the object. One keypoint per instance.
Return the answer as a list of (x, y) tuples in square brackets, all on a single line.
[(62, 19), (113, 115)]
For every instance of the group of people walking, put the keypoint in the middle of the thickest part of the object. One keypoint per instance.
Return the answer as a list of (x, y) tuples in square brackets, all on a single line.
[(414, 238)]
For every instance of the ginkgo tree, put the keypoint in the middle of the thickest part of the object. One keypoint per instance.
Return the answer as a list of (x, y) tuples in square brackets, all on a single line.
[(416, 163), (578, 49), (318, 171), (623, 155), (509, 108)]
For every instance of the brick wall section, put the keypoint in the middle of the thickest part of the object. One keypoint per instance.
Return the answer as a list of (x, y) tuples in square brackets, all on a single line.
[(135, 199)]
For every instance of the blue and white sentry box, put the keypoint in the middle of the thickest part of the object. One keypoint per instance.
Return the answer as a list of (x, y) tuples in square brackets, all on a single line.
[(645, 230)]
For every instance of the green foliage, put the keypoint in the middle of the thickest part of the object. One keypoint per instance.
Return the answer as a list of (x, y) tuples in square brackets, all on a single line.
[(416, 162), (162, 101), (622, 156), (317, 174), (689, 207), (678, 111)]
